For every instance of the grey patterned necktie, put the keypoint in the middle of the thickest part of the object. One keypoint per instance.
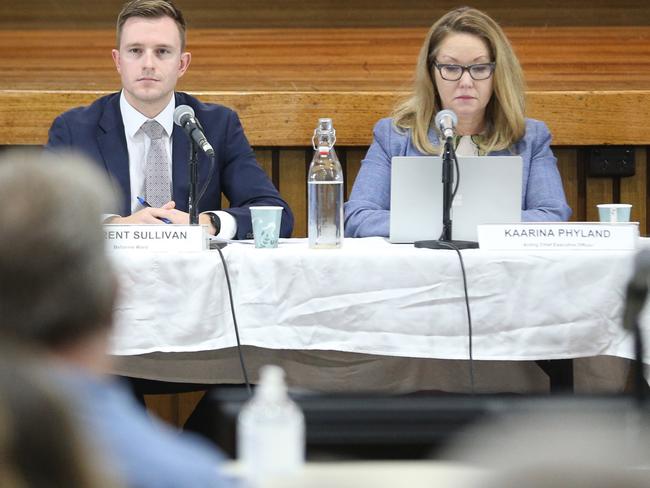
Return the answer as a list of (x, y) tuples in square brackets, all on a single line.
[(157, 184)]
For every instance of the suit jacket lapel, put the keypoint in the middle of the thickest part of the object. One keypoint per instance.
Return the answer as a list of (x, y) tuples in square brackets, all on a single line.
[(112, 146)]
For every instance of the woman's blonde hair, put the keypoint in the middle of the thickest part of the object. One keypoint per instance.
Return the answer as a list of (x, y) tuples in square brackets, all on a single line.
[(505, 110)]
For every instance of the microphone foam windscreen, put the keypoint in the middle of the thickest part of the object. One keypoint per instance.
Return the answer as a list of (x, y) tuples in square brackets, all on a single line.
[(181, 112)]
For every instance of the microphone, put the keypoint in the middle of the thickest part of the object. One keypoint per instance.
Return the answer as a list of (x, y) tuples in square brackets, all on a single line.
[(446, 121), (637, 290), (184, 117)]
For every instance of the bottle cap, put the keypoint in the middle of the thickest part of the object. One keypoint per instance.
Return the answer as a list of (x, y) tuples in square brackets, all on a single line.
[(324, 128), (325, 125), (272, 384)]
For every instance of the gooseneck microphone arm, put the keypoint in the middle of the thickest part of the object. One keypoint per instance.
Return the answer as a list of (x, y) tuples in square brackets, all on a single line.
[(184, 118)]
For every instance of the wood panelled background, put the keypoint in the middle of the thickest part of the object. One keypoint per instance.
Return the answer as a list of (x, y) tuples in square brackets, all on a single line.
[(305, 61), (333, 13)]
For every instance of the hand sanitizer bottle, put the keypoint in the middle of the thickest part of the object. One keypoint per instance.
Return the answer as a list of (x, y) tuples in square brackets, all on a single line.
[(270, 431)]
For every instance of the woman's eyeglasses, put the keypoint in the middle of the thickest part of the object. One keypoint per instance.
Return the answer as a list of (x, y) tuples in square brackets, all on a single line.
[(454, 72)]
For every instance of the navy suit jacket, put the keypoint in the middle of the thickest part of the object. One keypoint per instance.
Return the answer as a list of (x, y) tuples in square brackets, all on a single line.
[(98, 131)]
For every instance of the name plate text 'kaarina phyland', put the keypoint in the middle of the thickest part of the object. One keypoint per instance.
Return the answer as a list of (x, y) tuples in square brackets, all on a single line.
[(579, 236)]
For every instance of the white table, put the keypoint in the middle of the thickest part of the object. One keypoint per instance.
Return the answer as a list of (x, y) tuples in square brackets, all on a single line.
[(377, 474), (366, 301)]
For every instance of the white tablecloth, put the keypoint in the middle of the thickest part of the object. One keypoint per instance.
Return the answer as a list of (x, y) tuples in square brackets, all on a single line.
[(376, 298)]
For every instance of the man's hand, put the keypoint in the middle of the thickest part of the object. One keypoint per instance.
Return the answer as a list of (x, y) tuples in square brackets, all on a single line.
[(149, 215), (152, 215)]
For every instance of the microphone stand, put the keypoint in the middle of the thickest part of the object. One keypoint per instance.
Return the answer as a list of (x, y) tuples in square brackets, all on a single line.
[(194, 176), (635, 298), (445, 241)]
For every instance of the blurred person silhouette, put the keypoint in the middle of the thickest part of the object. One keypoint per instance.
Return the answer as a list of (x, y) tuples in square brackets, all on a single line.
[(57, 293), (594, 443), (41, 444)]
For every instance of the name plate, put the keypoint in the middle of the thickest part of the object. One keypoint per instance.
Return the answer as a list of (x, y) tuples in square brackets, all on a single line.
[(562, 236), (152, 237)]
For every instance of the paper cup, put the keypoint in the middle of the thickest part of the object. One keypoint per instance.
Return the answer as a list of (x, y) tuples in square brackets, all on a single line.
[(266, 226), (614, 212)]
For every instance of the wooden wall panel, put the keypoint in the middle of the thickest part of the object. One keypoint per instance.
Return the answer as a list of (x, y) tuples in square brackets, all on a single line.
[(265, 158), (355, 156), (175, 408), (293, 186), (324, 60), (568, 167), (287, 119), (186, 404), (165, 407), (292, 13), (599, 190)]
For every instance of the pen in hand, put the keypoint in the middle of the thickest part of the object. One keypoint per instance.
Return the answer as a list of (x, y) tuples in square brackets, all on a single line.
[(144, 203)]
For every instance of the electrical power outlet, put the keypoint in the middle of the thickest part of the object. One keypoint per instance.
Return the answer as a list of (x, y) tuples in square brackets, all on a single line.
[(608, 161)]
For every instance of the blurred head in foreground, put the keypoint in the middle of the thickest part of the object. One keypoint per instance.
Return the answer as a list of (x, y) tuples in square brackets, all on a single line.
[(57, 288)]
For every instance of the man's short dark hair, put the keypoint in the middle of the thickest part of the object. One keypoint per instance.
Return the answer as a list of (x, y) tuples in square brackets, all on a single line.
[(152, 9), (56, 281)]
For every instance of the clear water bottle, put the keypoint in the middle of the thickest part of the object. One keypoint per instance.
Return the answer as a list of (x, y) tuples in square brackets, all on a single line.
[(270, 431), (325, 190)]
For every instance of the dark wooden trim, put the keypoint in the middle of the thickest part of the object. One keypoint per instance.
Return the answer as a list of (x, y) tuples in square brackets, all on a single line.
[(616, 189), (582, 160)]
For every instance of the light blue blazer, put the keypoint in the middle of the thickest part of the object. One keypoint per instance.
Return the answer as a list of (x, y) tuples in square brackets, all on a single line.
[(368, 209)]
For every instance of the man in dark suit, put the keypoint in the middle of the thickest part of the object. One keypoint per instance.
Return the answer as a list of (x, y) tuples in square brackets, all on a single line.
[(150, 58)]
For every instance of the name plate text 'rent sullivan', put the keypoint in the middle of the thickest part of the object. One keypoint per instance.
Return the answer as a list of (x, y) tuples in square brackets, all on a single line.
[(561, 236), (152, 237)]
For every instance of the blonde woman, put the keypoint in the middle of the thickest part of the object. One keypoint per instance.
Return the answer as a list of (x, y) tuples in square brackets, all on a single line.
[(467, 65)]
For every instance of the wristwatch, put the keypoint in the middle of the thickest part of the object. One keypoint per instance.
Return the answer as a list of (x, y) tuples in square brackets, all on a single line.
[(215, 221)]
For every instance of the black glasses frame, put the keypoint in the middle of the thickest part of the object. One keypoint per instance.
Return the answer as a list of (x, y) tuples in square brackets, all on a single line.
[(463, 68)]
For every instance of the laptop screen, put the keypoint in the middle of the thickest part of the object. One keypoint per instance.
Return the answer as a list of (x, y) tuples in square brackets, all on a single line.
[(489, 192)]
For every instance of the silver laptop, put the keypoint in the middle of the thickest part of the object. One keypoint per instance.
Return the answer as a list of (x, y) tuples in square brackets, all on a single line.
[(489, 192)]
